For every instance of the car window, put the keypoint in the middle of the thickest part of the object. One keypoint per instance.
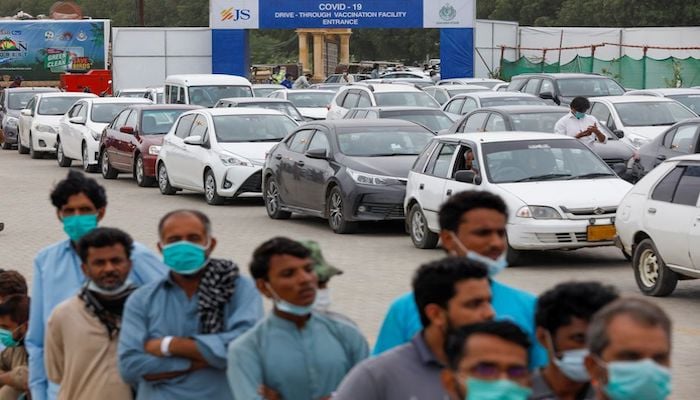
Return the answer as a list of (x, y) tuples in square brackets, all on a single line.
[(688, 188), (516, 85), (31, 103), (351, 100), (441, 160), (665, 189), (121, 119), (298, 142), (341, 97), (320, 142), (441, 95), (684, 139), (132, 119), (422, 159), (495, 123), (469, 105), (652, 113), (475, 122), (532, 86), (547, 86), (455, 106), (601, 112), (82, 112), (365, 101), (372, 114), (465, 160), (184, 125), (199, 127), (75, 110)]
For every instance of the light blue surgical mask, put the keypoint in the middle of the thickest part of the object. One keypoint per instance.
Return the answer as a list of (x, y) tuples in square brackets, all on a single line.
[(579, 115), (637, 380), (77, 226), (93, 287), (500, 389), (494, 266), (571, 363), (287, 307), (184, 257), (7, 338)]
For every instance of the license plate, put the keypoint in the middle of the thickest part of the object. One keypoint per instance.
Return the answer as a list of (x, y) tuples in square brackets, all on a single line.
[(601, 233)]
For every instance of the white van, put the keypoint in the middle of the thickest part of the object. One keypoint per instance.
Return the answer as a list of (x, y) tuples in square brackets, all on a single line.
[(205, 89)]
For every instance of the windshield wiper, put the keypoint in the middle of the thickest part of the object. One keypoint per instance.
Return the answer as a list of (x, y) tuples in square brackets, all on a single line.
[(265, 140), (663, 124), (544, 177), (592, 175), (390, 154)]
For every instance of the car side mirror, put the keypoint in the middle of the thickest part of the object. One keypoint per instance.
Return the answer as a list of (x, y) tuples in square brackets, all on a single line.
[(319, 154), (468, 177), (546, 96), (77, 120), (193, 140), (619, 133), (26, 112), (129, 130)]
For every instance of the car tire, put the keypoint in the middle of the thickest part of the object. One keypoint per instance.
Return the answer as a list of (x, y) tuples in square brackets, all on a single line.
[(20, 148), (61, 158), (33, 154), (107, 171), (335, 211), (140, 173), (164, 181), (421, 236), (653, 277), (273, 203), (210, 192), (5, 144), (86, 165), (513, 256)]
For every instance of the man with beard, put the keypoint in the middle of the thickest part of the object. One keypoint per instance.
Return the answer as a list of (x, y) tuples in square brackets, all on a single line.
[(81, 335)]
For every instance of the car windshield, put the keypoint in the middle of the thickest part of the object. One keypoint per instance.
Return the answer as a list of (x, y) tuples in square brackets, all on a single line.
[(132, 94), (691, 101), (589, 87), (411, 99), (207, 96), (252, 128), (284, 108), (435, 120), (489, 85), (545, 121), (56, 105), (542, 160), (310, 100), (512, 101), (652, 113), (158, 122), (455, 92), (19, 100), (105, 113), (382, 141), (263, 92)]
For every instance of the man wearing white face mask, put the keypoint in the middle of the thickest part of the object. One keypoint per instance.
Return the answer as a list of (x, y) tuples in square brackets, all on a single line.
[(562, 317), (472, 225)]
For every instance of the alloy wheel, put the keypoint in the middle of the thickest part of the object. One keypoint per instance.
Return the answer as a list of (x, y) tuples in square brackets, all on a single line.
[(336, 209), (210, 187), (418, 226), (272, 195)]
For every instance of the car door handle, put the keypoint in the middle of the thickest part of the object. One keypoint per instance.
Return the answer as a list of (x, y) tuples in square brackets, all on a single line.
[(421, 186), (278, 156), (300, 163), (449, 192), (651, 210)]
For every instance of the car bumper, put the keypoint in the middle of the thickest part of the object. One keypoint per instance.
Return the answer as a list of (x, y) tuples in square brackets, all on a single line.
[(10, 134), (531, 234), (149, 165), (376, 203), (44, 141), (238, 180), (93, 147)]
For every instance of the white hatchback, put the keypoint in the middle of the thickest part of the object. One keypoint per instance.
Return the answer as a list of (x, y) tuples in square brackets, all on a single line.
[(81, 127), (380, 94), (220, 151), (560, 195), (658, 224), (311, 103)]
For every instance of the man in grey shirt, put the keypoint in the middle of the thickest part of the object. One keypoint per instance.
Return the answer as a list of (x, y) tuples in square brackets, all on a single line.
[(449, 293)]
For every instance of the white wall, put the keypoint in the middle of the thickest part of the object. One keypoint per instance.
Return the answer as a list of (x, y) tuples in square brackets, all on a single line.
[(488, 37)]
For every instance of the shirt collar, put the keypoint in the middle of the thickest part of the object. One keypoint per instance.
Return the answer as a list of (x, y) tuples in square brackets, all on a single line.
[(280, 322), (424, 353)]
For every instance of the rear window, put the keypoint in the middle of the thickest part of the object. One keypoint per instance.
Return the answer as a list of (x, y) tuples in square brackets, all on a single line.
[(383, 141), (512, 101), (157, 122), (105, 113), (416, 99), (589, 87), (56, 105)]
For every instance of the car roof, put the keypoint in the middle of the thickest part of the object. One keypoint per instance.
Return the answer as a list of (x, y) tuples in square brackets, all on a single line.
[(306, 90), (525, 109), (133, 90), (207, 79), (385, 87), (31, 89), (666, 91), (254, 100), (146, 107), (492, 93), (512, 136), (685, 157), (112, 100), (346, 123), (632, 99), (65, 94), (471, 80), (465, 86), (398, 108), (561, 75), (239, 111), (267, 85)]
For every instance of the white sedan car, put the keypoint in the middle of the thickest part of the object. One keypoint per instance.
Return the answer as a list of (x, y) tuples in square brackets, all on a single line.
[(220, 151), (658, 224), (81, 127), (560, 195), (39, 121), (311, 103)]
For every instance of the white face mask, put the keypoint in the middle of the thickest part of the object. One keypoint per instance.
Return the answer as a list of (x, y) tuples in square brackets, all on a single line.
[(288, 307), (494, 266), (323, 299), (571, 363), (127, 285)]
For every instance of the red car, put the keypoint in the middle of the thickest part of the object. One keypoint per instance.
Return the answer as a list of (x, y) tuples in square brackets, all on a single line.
[(130, 144)]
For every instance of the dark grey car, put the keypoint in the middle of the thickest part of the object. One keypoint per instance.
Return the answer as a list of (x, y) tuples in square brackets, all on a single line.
[(680, 139), (12, 101), (343, 170), (561, 88)]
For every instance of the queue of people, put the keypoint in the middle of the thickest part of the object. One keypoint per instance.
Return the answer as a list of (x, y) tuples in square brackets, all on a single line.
[(109, 319)]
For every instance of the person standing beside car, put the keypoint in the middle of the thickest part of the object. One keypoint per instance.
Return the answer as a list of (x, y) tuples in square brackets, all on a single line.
[(580, 125)]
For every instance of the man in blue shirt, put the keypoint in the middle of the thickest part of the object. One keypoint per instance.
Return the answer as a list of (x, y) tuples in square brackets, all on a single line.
[(80, 204), (473, 225), (294, 353), (175, 331), (288, 81)]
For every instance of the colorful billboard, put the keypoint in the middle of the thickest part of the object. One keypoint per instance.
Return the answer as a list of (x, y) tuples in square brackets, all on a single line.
[(41, 50)]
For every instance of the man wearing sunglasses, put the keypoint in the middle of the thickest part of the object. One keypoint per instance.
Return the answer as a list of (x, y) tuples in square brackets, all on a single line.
[(472, 225), (487, 360)]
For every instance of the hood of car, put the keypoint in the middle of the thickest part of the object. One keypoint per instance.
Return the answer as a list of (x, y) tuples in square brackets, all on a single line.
[(314, 112), (96, 126), (649, 132), (584, 193), (51, 120), (252, 151), (395, 166), (13, 113), (613, 150)]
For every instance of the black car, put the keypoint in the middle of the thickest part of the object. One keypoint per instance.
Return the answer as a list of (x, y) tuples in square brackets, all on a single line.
[(561, 88), (618, 155), (343, 170), (680, 139), (432, 118)]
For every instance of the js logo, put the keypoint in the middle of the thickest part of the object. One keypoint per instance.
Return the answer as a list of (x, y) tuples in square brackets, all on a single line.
[(235, 14)]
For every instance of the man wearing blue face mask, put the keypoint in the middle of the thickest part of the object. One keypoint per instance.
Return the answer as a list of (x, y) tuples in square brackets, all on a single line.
[(579, 124), (562, 318), (629, 341), (472, 225), (295, 352), (175, 331), (80, 205)]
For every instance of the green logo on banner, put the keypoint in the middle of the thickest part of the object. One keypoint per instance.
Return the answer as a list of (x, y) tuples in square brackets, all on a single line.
[(448, 12), (58, 60)]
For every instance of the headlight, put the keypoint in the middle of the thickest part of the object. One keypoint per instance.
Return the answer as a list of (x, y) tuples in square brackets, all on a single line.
[(153, 150), (538, 212), (233, 161), (370, 179), (637, 141), (45, 128), (12, 121)]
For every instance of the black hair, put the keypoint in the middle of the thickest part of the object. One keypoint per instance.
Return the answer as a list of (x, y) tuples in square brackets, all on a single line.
[(434, 282), (17, 307), (12, 282), (104, 237), (580, 104), (557, 306), (455, 207), (456, 342), (203, 218), (75, 183), (260, 264), (288, 75)]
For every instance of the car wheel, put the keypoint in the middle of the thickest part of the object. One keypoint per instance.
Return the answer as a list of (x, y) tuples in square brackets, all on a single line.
[(651, 273), (335, 210), (210, 193), (107, 171), (421, 235), (61, 158), (273, 203), (33, 153), (86, 161), (513, 256), (164, 181), (20, 147), (5, 144), (140, 173)]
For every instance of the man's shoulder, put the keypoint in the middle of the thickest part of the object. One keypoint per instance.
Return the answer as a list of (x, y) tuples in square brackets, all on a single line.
[(66, 307), (247, 341), (53, 249), (389, 360), (403, 302), (146, 290), (340, 323), (501, 289)]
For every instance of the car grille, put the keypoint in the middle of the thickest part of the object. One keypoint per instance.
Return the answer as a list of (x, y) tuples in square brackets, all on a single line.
[(589, 212), (388, 210), (564, 237), (251, 185)]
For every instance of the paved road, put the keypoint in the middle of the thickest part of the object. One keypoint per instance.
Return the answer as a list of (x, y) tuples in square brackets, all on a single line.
[(378, 262)]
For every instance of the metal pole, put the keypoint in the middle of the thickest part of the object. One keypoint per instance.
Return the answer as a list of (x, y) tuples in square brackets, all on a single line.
[(140, 12), (561, 43), (644, 68)]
